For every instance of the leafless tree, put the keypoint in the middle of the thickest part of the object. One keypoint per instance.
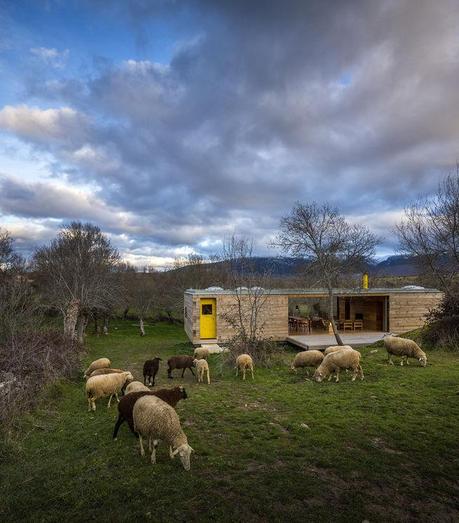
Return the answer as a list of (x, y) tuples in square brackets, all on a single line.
[(430, 233), (144, 294), (252, 289), (332, 247), (77, 274)]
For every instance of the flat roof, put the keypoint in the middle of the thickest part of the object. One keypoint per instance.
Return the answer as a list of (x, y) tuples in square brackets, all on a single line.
[(320, 291)]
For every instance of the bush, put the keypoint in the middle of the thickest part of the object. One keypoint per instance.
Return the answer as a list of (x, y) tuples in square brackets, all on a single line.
[(442, 327), (27, 363)]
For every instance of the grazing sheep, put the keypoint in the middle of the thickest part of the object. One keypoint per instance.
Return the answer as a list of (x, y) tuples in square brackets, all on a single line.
[(156, 420), (201, 353), (244, 362), (334, 362), (150, 369), (108, 385), (101, 363), (405, 348), (180, 362), (202, 367), (126, 404), (135, 386), (335, 348), (307, 358), (99, 372)]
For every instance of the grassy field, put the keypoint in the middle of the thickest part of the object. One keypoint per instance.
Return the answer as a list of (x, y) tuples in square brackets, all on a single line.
[(280, 448)]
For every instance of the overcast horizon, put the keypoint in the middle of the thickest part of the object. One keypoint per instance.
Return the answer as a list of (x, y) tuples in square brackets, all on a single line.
[(173, 124)]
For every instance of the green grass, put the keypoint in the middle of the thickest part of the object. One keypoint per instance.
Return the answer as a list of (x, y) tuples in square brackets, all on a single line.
[(385, 449)]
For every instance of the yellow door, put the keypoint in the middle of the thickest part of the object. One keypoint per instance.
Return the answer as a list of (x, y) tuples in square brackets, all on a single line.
[(208, 318)]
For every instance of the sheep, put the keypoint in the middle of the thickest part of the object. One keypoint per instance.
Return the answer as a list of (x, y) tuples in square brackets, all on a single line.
[(201, 353), (307, 358), (180, 362), (155, 419), (335, 348), (126, 404), (334, 362), (202, 367), (101, 363), (244, 362), (135, 386), (405, 348), (150, 369), (99, 372), (109, 385)]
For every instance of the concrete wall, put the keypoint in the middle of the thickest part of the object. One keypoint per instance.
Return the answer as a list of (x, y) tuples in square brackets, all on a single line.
[(408, 311)]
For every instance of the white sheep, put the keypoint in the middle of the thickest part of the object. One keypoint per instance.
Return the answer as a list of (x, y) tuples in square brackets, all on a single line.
[(106, 370), (244, 362), (201, 353), (156, 420), (202, 367), (135, 386), (106, 385), (335, 348), (405, 348), (335, 361), (307, 358), (101, 363)]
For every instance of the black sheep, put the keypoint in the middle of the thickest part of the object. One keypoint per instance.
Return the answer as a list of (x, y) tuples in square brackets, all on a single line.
[(150, 369), (180, 362)]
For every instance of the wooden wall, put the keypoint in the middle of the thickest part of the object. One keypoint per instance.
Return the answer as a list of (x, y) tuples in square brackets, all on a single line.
[(408, 311)]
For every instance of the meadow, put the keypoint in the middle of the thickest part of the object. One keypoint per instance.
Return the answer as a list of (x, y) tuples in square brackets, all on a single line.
[(279, 448)]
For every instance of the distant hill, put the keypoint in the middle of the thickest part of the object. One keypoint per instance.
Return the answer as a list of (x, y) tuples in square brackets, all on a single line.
[(396, 265)]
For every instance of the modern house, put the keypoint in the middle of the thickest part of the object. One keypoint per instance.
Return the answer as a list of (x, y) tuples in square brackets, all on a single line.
[(368, 310)]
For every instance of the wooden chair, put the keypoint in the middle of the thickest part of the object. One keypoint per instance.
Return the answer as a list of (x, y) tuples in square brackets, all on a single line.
[(358, 324), (348, 324)]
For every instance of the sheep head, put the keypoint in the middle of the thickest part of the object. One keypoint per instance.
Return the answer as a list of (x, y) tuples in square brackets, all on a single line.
[(183, 392), (423, 360), (184, 451)]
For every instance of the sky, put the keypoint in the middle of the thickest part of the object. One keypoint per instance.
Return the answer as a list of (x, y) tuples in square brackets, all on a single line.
[(174, 124)]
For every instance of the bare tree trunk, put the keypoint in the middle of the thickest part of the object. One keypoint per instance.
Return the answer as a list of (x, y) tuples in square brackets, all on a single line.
[(106, 325), (96, 323), (71, 318), (339, 341), (125, 313), (142, 328), (81, 327)]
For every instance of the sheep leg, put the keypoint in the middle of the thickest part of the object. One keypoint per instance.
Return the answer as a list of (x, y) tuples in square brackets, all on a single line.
[(237, 371), (389, 359), (169, 373), (109, 401), (116, 396), (361, 372), (89, 404), (208, 378), (153, 452), (142, 451), (337, 375), (192, 371), (93, 404), (171, 453), (144, 379), (251, 370), (354, 375), (243, 373), (406, 360), (118, 423)]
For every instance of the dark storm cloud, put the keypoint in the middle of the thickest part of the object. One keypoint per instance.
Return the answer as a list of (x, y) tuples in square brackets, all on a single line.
[(270, 102)]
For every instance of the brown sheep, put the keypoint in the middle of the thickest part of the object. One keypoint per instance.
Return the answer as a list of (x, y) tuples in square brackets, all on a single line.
[(180, 362)]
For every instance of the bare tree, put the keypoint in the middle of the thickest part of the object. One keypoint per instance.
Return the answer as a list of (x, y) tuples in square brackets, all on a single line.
[(144, 294), (77, 273), (332, 247), (430, 233), (252, 289)]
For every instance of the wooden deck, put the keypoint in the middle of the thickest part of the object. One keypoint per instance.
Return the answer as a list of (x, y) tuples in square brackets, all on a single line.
[(320, 341)]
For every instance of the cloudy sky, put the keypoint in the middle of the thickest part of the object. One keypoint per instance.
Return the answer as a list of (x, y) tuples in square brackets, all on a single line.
[(173, 124)]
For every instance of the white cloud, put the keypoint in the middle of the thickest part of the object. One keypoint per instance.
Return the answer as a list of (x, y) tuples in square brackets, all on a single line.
[(51, 56)]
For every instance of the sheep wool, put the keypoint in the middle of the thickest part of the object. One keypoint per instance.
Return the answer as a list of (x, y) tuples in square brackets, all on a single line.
[(244, 362), (109, 370), (201, 353), (335, 361), (405, 348), (335, 348), (135, 386), (156, 420), (307, 358), (202, 367), (106, 385), (101, 363)]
